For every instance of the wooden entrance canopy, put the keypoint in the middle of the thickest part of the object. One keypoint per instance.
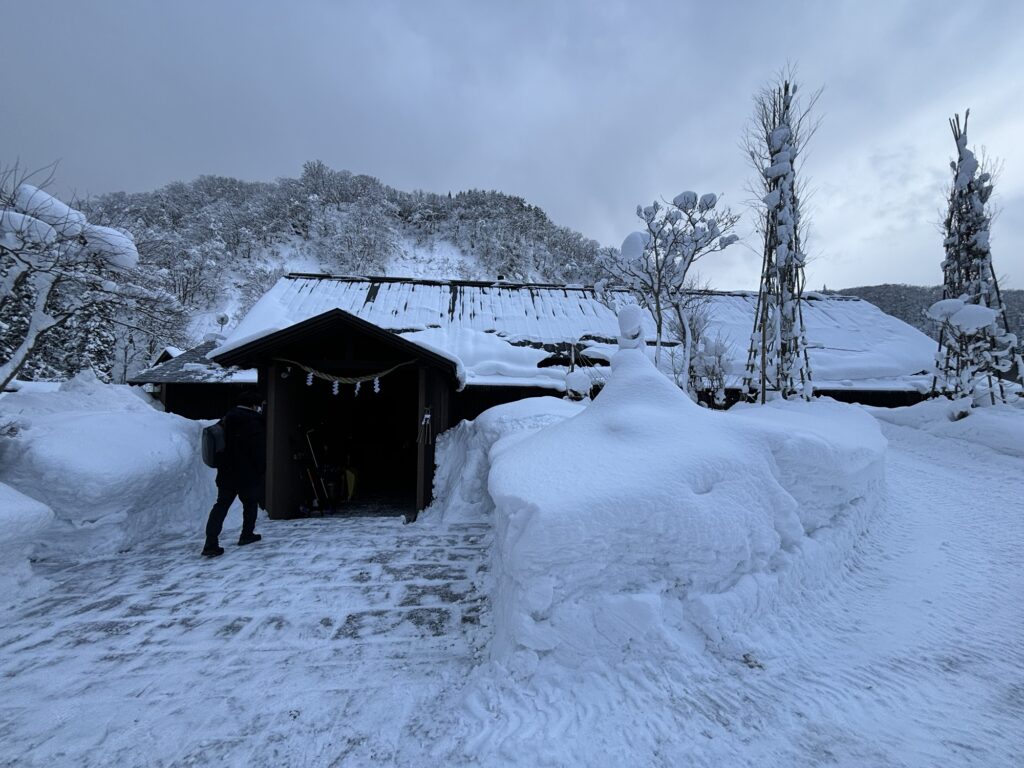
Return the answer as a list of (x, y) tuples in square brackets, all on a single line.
[(340, 344)]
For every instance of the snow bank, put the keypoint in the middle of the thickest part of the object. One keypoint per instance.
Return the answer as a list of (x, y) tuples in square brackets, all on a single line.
[(826, 454), (645, 515), (636, 539), (115, 471), (463, 455), (645, 511), (999, 427), (22, 519)]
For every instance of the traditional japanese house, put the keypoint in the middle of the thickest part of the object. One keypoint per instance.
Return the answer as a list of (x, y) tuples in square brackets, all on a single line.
[(361, 374)]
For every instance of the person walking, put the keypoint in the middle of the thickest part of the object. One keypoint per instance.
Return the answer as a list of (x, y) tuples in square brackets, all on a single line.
[(240, 471)]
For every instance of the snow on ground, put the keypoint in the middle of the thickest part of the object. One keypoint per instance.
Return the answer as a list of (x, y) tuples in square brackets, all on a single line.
[(565, 602), (115, 471), (903, 651), (996, 427), (330, 642)]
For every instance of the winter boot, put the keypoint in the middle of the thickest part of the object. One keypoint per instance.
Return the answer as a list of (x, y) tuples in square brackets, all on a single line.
[(248, 538), (212, 550)]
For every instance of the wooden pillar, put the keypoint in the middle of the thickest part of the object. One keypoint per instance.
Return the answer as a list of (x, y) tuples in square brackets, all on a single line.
[(282, 482), (424, 447), (433, 394)]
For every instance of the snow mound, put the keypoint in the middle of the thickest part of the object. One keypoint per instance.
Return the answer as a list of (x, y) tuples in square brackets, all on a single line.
[(646, 505), (635, 538), (999, 427), (114, 470), (643, 514), (22, 519), (463, 455)]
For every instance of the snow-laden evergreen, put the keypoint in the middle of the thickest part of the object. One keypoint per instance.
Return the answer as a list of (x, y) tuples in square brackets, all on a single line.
[(777, 358), (977, 351)]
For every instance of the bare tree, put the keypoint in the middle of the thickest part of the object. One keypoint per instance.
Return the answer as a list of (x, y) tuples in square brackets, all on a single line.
[(654, 263), (775, 142)]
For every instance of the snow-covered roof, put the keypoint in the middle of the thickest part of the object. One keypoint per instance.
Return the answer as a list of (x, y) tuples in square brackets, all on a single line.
[(193, 367), (853, 344), (516, 312), (500, 332)]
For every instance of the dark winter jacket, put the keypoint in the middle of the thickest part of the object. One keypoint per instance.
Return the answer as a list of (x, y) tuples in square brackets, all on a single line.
[(245, 449)]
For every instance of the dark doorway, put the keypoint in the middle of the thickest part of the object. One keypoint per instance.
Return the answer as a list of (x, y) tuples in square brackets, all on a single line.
[(356, 453)]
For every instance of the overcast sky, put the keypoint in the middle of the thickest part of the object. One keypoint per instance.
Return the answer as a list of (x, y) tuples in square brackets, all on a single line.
[(582, 108)]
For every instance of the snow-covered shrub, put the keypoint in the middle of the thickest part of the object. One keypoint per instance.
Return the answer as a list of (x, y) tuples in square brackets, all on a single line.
[(692, 517), (463, 455), (643, 521)]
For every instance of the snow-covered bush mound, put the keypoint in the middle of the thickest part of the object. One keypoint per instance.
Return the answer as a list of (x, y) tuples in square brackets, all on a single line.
[(828, 454), (631, 522), (998, 427), (646, 509), (114, 470), (22, 520)]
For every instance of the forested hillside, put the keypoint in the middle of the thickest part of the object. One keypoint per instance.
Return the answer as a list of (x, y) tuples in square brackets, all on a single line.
[(909, 302), (216, 244)]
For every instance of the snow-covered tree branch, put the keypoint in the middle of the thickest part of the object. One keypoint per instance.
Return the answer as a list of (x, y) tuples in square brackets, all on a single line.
[(55, 266)]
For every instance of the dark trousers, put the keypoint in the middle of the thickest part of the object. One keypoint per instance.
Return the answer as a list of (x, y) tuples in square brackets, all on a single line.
[(226, 493)]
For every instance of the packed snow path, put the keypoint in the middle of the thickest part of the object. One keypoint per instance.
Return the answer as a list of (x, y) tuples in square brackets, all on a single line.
[(325, 643)]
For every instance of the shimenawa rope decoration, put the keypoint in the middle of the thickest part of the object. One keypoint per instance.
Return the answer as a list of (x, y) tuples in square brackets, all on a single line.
[(344, 379)]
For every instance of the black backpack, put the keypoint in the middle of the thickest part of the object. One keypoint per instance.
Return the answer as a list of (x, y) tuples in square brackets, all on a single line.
[(213, 444)]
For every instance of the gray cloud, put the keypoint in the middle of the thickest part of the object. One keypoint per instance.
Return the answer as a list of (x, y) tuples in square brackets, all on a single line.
[(583, 108)]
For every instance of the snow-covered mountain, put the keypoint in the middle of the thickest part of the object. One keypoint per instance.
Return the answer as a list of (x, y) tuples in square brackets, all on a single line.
[(909, 302)]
